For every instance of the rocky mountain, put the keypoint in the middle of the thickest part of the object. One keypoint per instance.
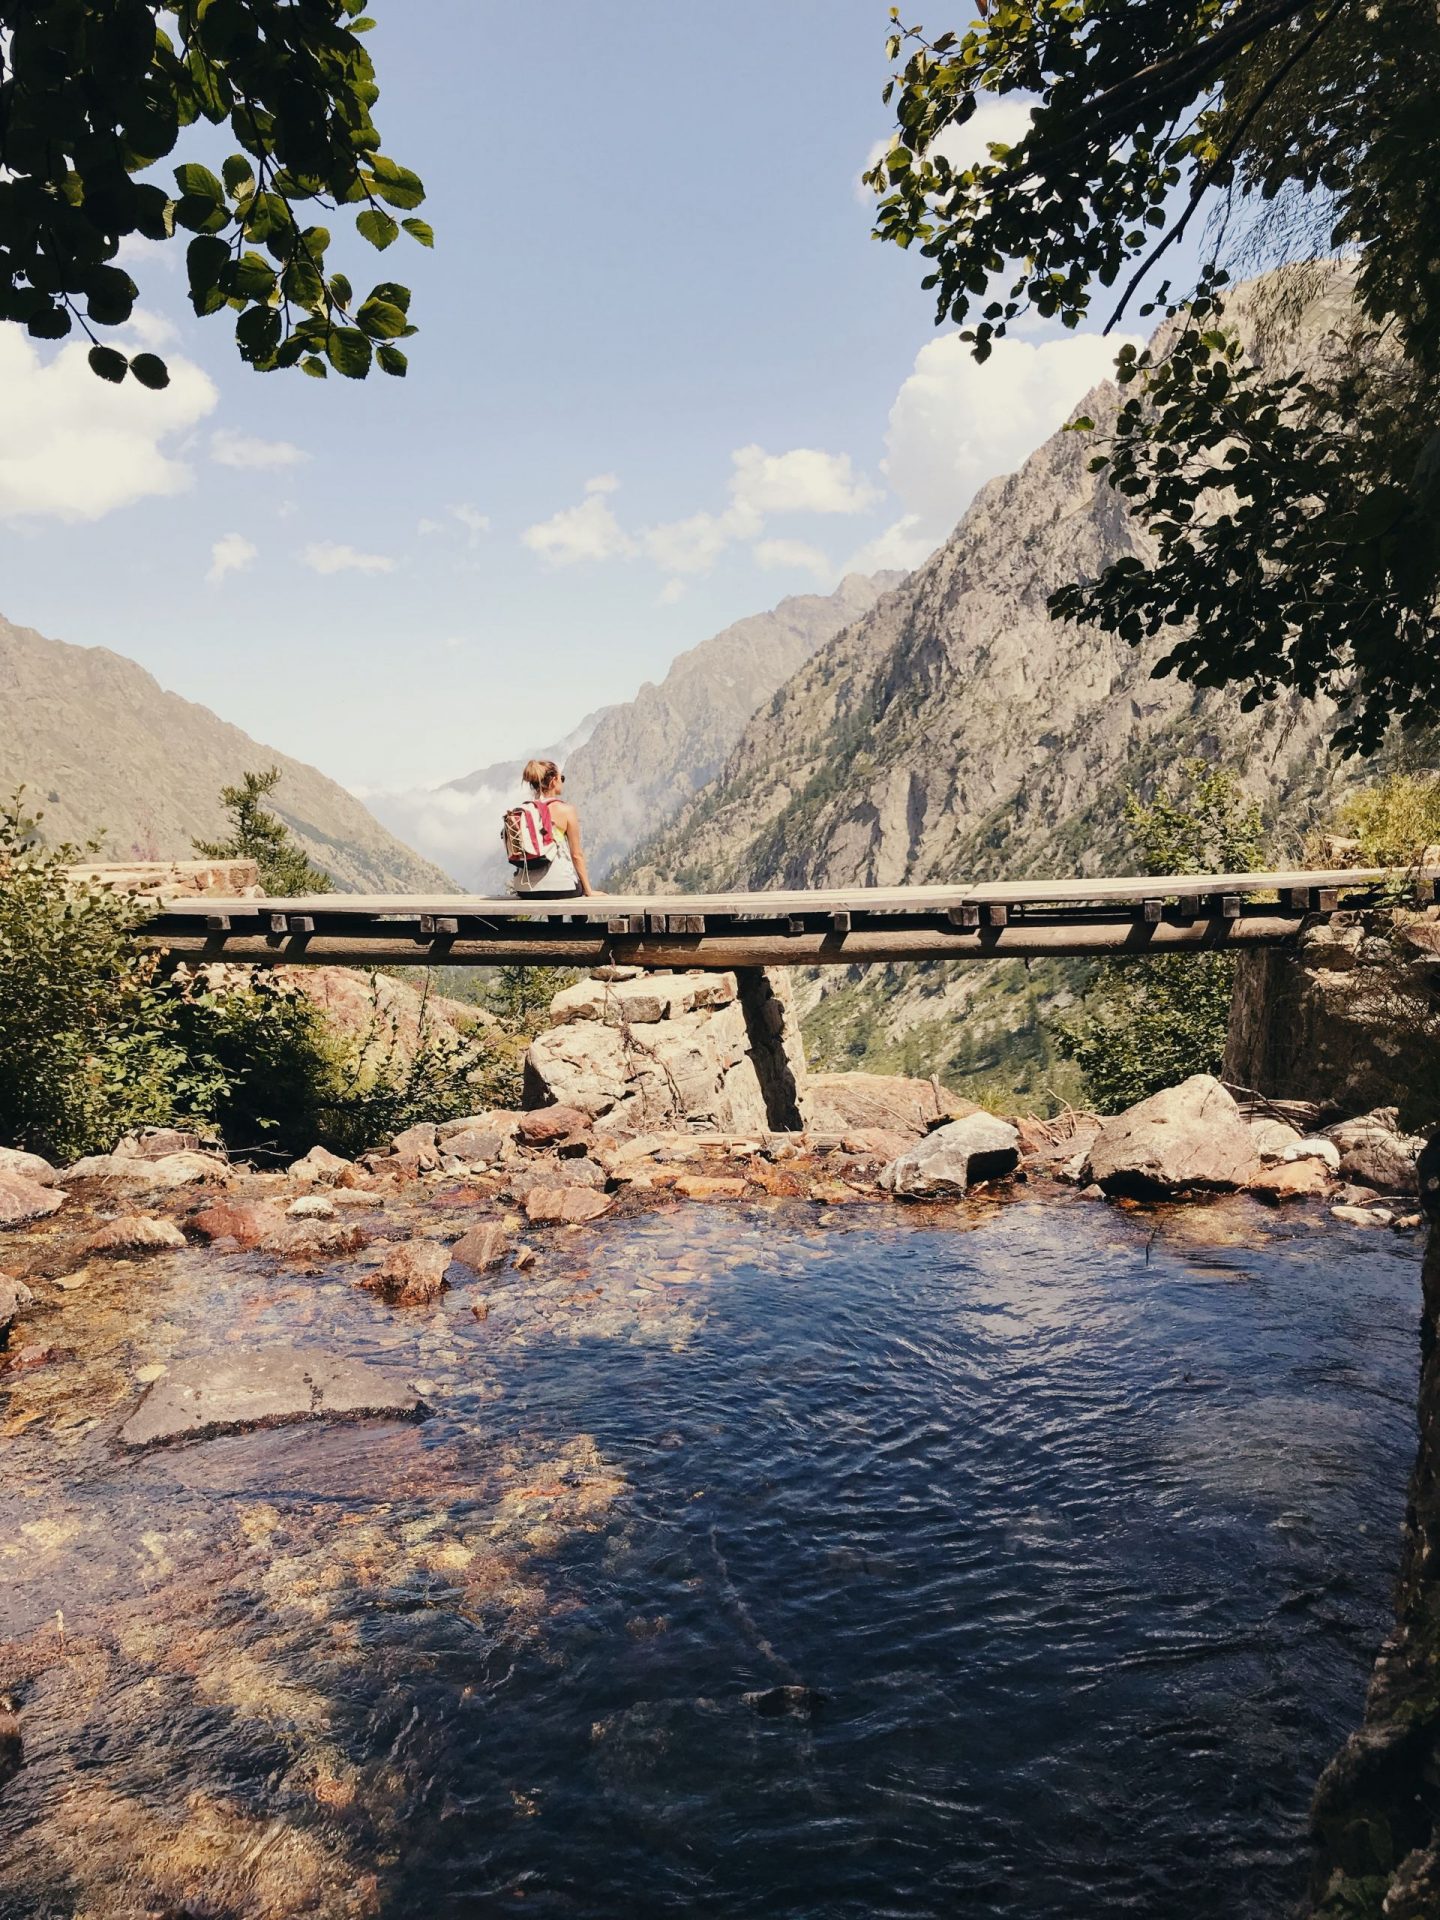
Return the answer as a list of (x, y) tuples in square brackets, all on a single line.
[(956, 731), (631, 765), (103, 750)]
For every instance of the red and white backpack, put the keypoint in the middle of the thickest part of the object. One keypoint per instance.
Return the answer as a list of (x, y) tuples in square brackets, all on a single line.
[(528, 835)]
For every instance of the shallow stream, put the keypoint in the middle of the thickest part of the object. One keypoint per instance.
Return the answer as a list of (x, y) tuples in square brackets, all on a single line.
[(1023, 1561)]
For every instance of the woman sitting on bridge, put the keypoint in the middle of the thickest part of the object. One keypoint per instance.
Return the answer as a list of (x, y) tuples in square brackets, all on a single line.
[(557, 867)]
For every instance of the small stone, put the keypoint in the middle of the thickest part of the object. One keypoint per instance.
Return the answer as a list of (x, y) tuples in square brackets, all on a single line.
[(413, 1274), (12, 1747), (134, 1233), (157, 1370), (524, 1257), (564, 1206), (320, 1168), (1407, 1222), (1363, 1216), (311, 1206), (1093, 1192), (355, 1198), (22, 1200), (415, 1148), (480, 1309), (241, 1221), (702, 1186), (482, 1247)]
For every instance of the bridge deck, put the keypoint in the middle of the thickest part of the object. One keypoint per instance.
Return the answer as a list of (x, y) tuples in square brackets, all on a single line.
[(839, 926)]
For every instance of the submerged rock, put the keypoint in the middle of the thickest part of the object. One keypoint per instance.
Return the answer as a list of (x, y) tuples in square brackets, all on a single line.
[(22, 1200), (482, 1247), (234, 1392), (1188, 1136), (954, 1157), (413, 1274), (774, 1703)]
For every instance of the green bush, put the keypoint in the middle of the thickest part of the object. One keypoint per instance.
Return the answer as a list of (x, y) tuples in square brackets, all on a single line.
[(1147, 1023), (1395, 820)]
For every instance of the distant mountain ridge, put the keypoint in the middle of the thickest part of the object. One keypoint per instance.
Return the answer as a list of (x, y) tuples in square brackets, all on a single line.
[(102, 749)]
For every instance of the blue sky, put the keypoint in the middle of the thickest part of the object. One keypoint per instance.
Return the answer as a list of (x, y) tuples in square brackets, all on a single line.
[(663, 378)]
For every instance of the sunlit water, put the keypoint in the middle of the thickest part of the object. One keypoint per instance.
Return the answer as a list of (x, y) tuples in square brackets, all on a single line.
[(1071, 1534)]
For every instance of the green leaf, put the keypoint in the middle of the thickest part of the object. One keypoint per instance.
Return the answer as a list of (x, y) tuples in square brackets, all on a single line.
[(419, 230), (239, 171), (392, 360), (376, 226), (48, 323), (315, 368), (349, 352), (381, 320), (109, 364), (395, 185), (1082, 423), (206, 258), (192, 178), (150, 370)]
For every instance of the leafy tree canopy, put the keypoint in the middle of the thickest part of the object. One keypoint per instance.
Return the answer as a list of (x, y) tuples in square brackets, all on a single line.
[(95, 94), (1294, 511), (286, 870)]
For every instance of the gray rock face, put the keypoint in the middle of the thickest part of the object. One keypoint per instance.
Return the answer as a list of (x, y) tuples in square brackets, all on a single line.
[(1183, 1137), (954, 1158), (844, 1102), (276, 1387)]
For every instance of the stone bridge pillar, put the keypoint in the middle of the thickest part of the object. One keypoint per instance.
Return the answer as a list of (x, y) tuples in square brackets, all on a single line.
[(773, 1035)]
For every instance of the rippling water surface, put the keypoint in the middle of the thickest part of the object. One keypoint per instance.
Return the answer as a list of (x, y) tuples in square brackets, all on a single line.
[(1027, 1562)]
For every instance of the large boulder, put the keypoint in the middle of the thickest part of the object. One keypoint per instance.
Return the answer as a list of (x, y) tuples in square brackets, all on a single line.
[(22, 1201), (1190, 1136), (860, 1102), (954, 1158), (1374, 1153), (27, 1166)]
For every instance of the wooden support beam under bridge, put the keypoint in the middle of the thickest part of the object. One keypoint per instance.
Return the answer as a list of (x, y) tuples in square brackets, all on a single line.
[(840, 927)]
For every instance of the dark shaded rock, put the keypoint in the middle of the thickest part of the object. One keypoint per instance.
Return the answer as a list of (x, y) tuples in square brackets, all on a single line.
[(12, 1747), (777, 1703), (232, 1393), (1373, 1153)]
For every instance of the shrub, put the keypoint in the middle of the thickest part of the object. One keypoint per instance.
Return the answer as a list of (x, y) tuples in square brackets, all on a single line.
[(90, 1040), (1150, 1022), (1395, 820)]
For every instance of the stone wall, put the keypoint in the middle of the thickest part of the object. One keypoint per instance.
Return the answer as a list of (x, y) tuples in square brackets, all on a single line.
[(176, 879), (705, 1052), (1333, 1020)]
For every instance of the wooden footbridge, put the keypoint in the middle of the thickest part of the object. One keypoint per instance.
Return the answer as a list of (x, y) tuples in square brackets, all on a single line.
[(993, 920)]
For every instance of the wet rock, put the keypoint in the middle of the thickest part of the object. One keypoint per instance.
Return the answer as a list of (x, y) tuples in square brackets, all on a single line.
[(1363, 1216), (311, 1206), (1374, 1153), (14, 1295), (27, 1166), (524, 1257), (317, 1240), (232, 1393), (22, 1200), (1190, 1136), (412, 1276), (1292, 1180), (244, 1222), (793, 1702), (564, 1206), (547, 1126), (321, 1168), (482, 1247), (564, 1173), (954, 1157), (134, 1233), (706, 1186)]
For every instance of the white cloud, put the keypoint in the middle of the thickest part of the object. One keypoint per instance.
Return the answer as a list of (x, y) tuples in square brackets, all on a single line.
[(587, 532), (693, 545), (474, 522), (672, 592), (229, 448), (789, 555), (801, 481), (327, 556), (994, 123), (74, 447), (429, 526), (957, 422), (231, 553)]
